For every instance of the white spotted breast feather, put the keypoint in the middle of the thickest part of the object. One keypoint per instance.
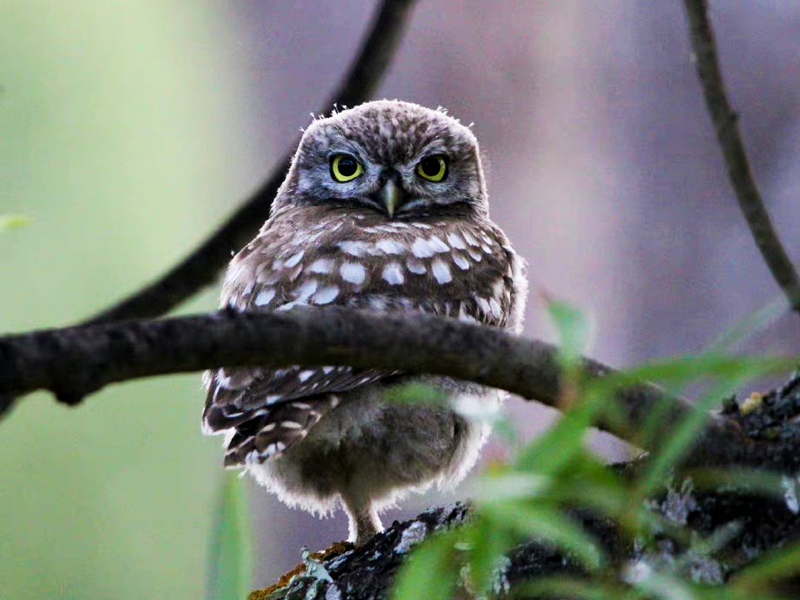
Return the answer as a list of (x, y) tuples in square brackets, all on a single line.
[(325, 257)]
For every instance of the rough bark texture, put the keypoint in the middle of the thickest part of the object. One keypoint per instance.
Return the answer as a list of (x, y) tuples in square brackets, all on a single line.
[(76, 361), (759, 524), (367, 573)]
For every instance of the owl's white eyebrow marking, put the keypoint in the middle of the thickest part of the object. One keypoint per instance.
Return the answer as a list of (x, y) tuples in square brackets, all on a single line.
[(461, 262), (306, 289), (456, 241), (353, 272), (353, 248), (293, 260), (325, 295), (304, 376), (441, 271), (265, 297), (416, 266), (322, 266), (390, 246), (476, 256), (393, 274), (471, 240)]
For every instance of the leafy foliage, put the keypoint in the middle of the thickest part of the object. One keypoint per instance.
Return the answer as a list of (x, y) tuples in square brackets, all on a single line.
[(540, 491), (230, 562), (13, 222)]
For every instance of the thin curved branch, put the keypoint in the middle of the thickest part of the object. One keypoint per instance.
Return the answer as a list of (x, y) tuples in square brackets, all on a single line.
[(76, 361), (202, 266), (730, 141)]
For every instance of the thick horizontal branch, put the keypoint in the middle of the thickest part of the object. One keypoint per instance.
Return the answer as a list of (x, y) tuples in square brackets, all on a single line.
[(201, 267), (76, 361), (730, 141)]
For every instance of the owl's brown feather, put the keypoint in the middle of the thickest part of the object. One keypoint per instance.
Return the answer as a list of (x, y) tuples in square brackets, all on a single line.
[(333, 257), (405, 227)]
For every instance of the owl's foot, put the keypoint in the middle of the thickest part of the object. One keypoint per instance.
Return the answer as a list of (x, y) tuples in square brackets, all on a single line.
[(363, 519)]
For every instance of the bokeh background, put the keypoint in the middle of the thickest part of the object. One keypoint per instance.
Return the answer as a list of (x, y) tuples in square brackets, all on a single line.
[(128, 130)]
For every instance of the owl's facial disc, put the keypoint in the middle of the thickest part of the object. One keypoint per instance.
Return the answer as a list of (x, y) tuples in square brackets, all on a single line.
[(396, 158)]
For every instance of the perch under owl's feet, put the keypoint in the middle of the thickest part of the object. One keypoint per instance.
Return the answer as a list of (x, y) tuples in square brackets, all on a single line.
[(309, 566)]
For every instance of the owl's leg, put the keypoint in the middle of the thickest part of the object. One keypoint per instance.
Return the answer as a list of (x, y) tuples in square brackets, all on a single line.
[(363, 519)]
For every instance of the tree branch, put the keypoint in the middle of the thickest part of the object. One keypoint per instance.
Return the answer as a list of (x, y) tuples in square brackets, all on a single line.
[(76, 361), (201, 267), (730, 141)]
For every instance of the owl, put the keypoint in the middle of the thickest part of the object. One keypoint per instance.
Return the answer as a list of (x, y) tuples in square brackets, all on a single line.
[(385, 209)]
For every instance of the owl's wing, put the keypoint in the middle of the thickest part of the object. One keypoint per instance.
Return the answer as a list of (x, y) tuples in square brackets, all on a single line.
[(271, 409)]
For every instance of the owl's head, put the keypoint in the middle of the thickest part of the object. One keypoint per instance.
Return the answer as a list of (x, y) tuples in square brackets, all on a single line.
[(396, 158)]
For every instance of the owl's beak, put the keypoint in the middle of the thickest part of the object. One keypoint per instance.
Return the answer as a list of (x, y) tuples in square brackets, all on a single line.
[(391, 196)]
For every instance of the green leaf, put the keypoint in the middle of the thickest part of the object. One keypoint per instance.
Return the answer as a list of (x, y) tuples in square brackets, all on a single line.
[(770, 568), (489, 545), (230, 559), (566, 587), (549, 525), (749, 326), (430, 572), (508, 484), (732, 374), (574, 331), (556, 448), (415, 393), (13, 222), (741, 480)]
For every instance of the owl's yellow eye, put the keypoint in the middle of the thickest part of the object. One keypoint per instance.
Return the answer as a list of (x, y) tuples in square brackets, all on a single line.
[(345, 167), (433, 168)]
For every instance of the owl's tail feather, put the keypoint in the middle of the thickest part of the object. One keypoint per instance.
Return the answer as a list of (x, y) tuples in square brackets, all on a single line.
[(275, 431)]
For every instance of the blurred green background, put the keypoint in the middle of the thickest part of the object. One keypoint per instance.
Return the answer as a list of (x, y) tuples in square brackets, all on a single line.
[(119, 138)]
